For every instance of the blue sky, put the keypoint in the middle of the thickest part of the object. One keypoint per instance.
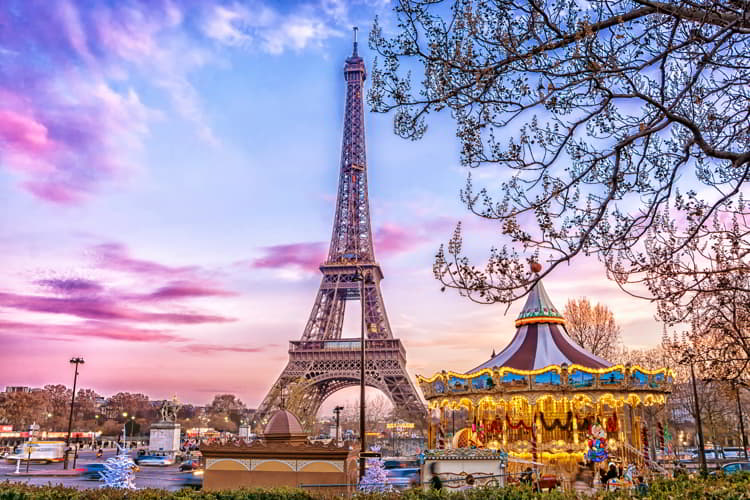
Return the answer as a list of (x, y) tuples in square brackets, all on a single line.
[(168, 174)]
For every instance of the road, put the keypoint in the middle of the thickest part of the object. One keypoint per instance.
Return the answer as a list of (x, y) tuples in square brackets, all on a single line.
[(169, 478)]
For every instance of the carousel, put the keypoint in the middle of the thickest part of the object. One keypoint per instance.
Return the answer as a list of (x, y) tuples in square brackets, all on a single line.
[(544, 400)]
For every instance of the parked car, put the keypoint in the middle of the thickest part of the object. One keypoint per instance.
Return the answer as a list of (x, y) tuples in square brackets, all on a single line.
[(732, 468), (154, 460), (736, 467), (190, 465), (402, 478)]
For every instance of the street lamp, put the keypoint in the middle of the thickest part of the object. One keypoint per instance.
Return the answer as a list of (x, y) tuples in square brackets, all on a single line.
[(689, 358), (359, 276), (337, 411), (75, 361)]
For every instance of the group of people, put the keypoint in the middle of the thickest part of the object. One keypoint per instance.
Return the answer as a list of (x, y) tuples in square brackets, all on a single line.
[(609, 473)]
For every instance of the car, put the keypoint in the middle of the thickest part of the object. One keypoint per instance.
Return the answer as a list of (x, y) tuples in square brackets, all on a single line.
[(190, 465), (400, 464), (710, 455), (91, 471), (402, 478), (733, 467), (154, 460), (733, 453), (191, 479)]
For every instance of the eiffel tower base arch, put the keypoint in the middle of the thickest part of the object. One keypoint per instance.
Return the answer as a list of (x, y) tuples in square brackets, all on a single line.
[(316, 370)]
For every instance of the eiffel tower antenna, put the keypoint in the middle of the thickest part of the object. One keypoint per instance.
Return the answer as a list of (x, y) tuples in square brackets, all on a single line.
[(322, 361)]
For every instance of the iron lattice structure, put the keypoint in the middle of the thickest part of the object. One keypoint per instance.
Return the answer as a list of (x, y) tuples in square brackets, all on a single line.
[(322, 363)]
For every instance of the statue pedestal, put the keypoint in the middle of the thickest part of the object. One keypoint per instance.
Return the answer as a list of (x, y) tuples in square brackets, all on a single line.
[(165, 438), (245, 431)]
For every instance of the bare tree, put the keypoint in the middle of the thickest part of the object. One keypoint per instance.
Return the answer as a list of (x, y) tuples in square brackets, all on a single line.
[(705, 283), (607, 118), (593, 328)]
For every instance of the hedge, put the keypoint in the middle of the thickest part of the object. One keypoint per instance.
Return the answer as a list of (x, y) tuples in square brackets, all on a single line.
[(735, 487)]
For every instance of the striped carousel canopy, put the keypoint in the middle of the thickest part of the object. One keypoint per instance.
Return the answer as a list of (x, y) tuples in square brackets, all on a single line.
[(541, 339)]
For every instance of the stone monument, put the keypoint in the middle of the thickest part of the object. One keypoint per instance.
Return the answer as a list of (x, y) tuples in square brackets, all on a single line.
[(165, 435)]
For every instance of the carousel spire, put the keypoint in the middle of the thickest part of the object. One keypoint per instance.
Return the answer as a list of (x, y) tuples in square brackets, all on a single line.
[(539, 308), (541, 339)]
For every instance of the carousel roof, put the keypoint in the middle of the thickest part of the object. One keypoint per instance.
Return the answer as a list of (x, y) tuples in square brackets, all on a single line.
[(541, 339)]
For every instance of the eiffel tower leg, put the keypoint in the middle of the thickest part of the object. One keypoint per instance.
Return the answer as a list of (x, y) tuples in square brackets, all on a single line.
[(397, 385), (376, 318)]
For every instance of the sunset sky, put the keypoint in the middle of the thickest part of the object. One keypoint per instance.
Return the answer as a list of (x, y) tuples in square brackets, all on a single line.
[(168, 172)]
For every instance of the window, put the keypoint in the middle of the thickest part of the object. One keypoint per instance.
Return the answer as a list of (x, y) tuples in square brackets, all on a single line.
[(551, 377), (458, 384), (514, 379), (611, 378), (578, 378), (483, 381), (639, 378)]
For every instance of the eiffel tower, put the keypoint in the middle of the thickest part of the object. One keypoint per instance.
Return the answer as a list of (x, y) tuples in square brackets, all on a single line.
[(322, 362)]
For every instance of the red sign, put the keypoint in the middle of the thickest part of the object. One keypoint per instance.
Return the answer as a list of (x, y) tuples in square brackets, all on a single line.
[(6, 428)]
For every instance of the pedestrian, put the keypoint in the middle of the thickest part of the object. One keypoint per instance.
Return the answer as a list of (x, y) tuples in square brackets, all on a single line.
[(527, 476), (435, 482), (641, 488), (580, 485), (469, 482)]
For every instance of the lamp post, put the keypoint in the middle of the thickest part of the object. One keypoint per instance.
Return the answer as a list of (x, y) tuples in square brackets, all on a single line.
[(359, 276), (124, 431), (741, 417), (337, 412), (701, 447), (75, 361)]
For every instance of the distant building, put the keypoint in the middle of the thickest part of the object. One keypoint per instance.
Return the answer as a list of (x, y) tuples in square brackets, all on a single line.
[(18, 388)]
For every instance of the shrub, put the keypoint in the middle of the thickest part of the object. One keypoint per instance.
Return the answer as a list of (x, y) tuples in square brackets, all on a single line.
[(734, 487)]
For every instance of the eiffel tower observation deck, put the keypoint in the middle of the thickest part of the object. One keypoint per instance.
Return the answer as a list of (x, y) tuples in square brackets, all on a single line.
[(322, 362)]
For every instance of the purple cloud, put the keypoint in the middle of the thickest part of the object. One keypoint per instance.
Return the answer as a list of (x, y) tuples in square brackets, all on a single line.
[(101, 309), (305, 256), (392, 239), (211, 348), (70, 285), (185, 290), (115, 256), (70, 113), (87, 329)]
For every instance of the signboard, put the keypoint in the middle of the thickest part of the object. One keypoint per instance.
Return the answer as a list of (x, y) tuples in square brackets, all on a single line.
[(400, 425), (369, 454), (6, 428)]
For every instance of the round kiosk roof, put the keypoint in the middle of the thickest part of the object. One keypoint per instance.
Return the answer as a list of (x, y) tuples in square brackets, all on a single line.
[(283, 422)]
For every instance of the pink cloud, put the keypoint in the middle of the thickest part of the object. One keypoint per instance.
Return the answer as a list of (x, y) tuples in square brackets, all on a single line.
[(305, 256), (87, 329), (211, 348), (392, 239), (115, 256), (22, 133), (101, 309), (70, 285), (69, 117), (184, 290)]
